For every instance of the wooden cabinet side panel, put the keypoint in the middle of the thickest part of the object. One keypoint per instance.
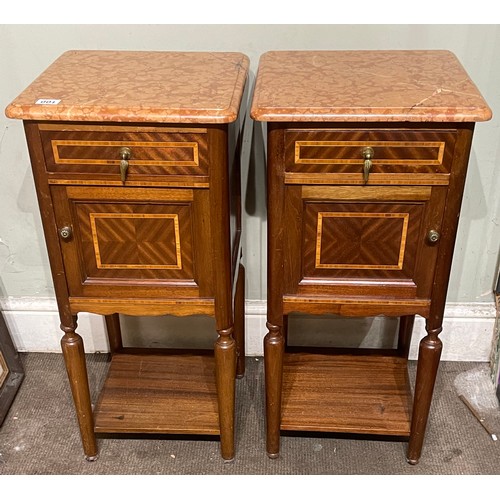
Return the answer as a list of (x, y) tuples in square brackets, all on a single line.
[(220, 229), (450, 225), (48, 222), (275, 221)]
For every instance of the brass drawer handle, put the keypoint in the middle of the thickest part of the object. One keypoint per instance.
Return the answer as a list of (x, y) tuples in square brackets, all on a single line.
[(367, 156), (125, 154)]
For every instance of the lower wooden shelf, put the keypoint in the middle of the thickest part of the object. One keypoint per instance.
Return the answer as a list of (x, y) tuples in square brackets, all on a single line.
[(160, 394), (367, 394)]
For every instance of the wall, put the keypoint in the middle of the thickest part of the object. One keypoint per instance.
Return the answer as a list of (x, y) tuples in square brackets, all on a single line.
[(26, 289)]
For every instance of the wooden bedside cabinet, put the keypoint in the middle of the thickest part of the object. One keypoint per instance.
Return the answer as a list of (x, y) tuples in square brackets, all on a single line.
[(136, 163), (367, 157)]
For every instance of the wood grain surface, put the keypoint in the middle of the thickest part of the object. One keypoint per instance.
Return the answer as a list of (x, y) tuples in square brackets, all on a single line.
[(342, 393), (159, 394)]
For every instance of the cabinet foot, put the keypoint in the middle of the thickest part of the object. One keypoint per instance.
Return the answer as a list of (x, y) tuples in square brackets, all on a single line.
[(225, 375), (274, 347), (74, 358), (427, 367)]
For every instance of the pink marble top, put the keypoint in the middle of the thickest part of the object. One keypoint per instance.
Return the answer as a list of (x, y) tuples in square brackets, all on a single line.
[(366, 85), (122, 86)]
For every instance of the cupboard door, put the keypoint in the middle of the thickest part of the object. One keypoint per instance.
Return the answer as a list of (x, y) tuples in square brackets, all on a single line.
[(134, 242), (362, 241)]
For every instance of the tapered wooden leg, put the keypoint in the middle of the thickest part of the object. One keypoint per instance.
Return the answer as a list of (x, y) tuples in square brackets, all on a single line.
[(114, 332), (274, 347), (404, 337), (225, 374), (239, 322), (427, 367), (74, 357)]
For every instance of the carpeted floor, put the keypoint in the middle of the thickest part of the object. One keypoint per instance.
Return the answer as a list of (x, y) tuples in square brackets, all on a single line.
[(40, 437)]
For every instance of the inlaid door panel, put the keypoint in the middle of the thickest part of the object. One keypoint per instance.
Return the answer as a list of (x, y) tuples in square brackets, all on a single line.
[(361, 241), (133, 241), (374, 240)]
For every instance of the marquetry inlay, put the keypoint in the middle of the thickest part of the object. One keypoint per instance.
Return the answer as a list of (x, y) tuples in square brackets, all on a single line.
[(166, 146), (404, 217), (174, 218), (167, 183), (349, 152)]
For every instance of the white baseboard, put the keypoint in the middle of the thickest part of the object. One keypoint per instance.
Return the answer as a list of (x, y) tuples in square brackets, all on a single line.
[(467, 329)]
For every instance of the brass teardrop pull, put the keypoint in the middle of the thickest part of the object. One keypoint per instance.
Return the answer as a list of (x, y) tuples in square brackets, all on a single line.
[(367, 156), (125, 154)]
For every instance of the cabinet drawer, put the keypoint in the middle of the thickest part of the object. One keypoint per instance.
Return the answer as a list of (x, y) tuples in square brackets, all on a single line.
[(398, 156), (95, 151)]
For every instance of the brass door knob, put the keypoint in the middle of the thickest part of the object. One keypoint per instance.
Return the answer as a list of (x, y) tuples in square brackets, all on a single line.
[(66, 232), (433, 236)]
